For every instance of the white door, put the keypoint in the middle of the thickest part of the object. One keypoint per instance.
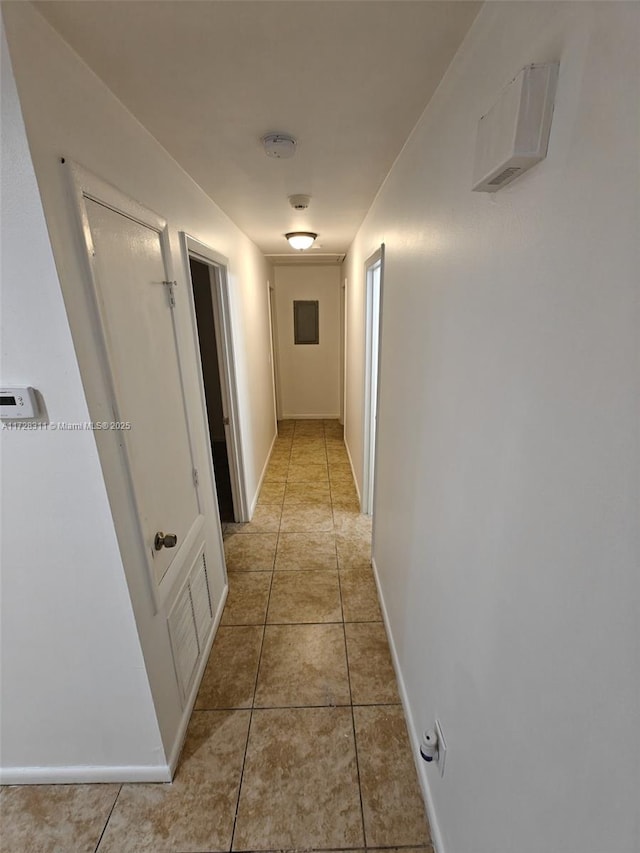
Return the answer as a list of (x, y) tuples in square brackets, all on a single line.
[(136, 303)]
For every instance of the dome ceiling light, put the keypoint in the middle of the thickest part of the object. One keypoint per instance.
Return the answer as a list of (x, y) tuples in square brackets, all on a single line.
[(281, 146), (301, 240)]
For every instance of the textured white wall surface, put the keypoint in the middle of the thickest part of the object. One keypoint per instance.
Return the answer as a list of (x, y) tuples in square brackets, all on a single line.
[(309, 374), (68, 112), (506, 532)]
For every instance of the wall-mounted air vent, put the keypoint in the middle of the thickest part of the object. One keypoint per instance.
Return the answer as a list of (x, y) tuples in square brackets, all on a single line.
[(511, 172), (190, 621), (202, 611), (513, 136)]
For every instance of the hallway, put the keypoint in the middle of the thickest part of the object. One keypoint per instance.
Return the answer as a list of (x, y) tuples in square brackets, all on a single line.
[(298, 739), (141, 136)]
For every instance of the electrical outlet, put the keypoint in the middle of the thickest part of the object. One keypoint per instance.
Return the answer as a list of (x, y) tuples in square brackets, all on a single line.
[(442, 748)]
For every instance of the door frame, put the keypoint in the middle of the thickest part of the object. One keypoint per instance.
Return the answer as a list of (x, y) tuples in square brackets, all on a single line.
[(273, 337), (84, 185), (345, 365), (343, 346), (372, 335), (221, 297)]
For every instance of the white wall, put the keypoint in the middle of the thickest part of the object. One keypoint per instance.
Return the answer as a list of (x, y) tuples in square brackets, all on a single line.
[(507, 505), (69, 112), (74, 687), (309, 374)]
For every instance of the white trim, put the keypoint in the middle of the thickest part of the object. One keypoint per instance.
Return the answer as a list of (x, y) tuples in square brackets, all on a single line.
[(192, 248), (273, 337), (343, 296), (91, 186), (372, 338), (345, 341), (414, 732), (178, 743), (254, 502), (82, 774), (353, 470), (223, 298), (332, 417)]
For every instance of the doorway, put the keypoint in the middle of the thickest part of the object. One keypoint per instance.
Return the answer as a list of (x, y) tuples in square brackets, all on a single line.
[(212, 321), (373, 274), (208, 345)]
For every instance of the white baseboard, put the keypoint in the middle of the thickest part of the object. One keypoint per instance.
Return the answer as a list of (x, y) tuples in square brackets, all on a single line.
[(153, 773), (254, 502), (333, 417), (353, 473), (414, 732), (83, 774), (188, 708)]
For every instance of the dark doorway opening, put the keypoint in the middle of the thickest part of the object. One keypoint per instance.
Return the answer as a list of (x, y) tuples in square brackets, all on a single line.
[(203, 283)]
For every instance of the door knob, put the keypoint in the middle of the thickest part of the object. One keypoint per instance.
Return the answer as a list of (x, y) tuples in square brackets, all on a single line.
[(165, 540)]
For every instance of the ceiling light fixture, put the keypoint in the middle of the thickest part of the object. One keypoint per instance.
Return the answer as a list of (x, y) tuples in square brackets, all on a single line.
[(301, 240)]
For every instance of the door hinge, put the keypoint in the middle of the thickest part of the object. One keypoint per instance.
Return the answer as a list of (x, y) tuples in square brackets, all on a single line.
[(196, 478), (170, 290), (225, 421)]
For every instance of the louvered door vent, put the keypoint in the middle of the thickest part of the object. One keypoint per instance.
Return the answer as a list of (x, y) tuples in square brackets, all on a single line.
[(189, 623)]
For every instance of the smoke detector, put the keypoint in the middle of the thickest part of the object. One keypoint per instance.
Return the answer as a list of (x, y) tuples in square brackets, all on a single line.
[(279, 145), (299, 202)]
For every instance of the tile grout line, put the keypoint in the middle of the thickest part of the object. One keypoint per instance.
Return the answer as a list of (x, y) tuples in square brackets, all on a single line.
[(106, 823), (255, 683), (291, 624), (244, 761), (346, 653), (250, 709), (297, 708), (427, 848), (355, 739)]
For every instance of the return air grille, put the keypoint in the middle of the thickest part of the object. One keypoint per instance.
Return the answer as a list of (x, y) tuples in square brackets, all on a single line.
[(504, 176), (190, 622), (199, 584), (514, 134)]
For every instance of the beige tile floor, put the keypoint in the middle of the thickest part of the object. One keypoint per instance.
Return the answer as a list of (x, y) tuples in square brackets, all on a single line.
[(297, 740)]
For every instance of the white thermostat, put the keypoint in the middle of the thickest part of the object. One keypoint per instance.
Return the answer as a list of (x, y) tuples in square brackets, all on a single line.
[(18, 403)]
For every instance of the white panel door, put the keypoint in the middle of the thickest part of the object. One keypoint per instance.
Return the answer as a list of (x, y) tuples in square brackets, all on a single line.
[(136, 315)]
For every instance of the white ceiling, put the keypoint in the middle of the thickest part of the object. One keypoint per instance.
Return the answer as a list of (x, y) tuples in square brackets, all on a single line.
[(348, 79)]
